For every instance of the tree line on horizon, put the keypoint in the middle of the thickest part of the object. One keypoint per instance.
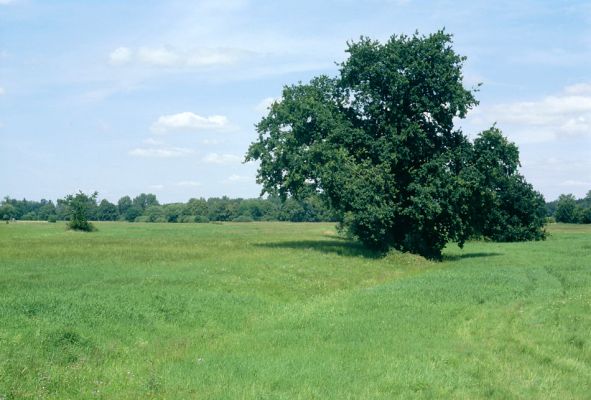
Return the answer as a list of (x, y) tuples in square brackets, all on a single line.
[(568, 209), (146, 208)]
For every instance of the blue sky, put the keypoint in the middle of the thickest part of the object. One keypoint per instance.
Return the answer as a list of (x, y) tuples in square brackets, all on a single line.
[(162, 96)]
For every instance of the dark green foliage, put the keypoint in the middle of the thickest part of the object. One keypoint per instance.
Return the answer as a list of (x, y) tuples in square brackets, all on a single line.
[(221, 209), (7, 210), (46, 211), (107, 211), (378, 144), (26, 209), (508, 209), (584, 215), (155, 214), (132, 213), (52, 218), (30, 216), (123, 205), (310, 209), (79, 207), (196, 208), (173, 212), (565, 208), (144, 201), (571, 210)]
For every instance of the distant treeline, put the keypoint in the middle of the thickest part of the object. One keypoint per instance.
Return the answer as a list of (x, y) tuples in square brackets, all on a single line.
[(570, 209), (147, 208)]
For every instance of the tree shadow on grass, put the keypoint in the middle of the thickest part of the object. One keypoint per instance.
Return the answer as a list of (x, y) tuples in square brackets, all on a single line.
[(338, 246), (457, 257), (348, 248)]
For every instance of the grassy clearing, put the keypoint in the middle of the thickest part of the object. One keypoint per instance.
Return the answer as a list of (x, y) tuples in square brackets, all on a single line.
[(279, 310)]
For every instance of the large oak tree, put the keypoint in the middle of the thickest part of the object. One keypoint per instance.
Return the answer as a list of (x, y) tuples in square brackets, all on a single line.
[(379, 143)]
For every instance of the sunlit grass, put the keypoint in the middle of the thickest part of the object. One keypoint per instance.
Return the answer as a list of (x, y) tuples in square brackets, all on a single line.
[(279, 310)]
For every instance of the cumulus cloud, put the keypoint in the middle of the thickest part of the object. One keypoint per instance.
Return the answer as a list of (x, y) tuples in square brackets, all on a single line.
[(120, 56), (566, 114), (215, 158), (161, 152), (189, 121), (171, 57)]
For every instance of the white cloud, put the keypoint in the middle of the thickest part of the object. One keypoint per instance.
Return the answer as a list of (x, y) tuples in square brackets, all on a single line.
[(579, 88), (4, 2), (263, 105), (171, 57), (564, 115), (158, 56), (214, 158), (161, 152), (188, 184), (2, 91), (120, 56), (238, 178), (189, 121)]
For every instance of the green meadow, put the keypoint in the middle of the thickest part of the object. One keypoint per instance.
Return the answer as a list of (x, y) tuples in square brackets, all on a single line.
[(281, 310)]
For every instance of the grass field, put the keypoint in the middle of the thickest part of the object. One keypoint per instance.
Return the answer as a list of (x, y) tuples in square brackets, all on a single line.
[(279, 310)]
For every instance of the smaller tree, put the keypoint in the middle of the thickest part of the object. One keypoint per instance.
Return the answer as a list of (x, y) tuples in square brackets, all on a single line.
[(78, 209)]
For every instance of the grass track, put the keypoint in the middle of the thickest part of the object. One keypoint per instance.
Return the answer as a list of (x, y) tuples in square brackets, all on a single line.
[(279, 310)]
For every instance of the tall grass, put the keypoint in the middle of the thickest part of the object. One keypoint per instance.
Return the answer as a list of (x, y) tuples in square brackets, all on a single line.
[(279, 310)]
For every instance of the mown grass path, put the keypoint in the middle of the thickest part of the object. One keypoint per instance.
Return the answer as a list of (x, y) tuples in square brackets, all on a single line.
[(279, 310)]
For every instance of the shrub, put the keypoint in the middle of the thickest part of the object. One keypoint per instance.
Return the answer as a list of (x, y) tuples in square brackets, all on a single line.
[(78, 207), (52, 218), (201, 219)]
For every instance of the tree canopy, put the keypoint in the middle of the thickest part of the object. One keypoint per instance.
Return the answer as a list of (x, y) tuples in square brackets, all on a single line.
[(379, 144), (78, 207)]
